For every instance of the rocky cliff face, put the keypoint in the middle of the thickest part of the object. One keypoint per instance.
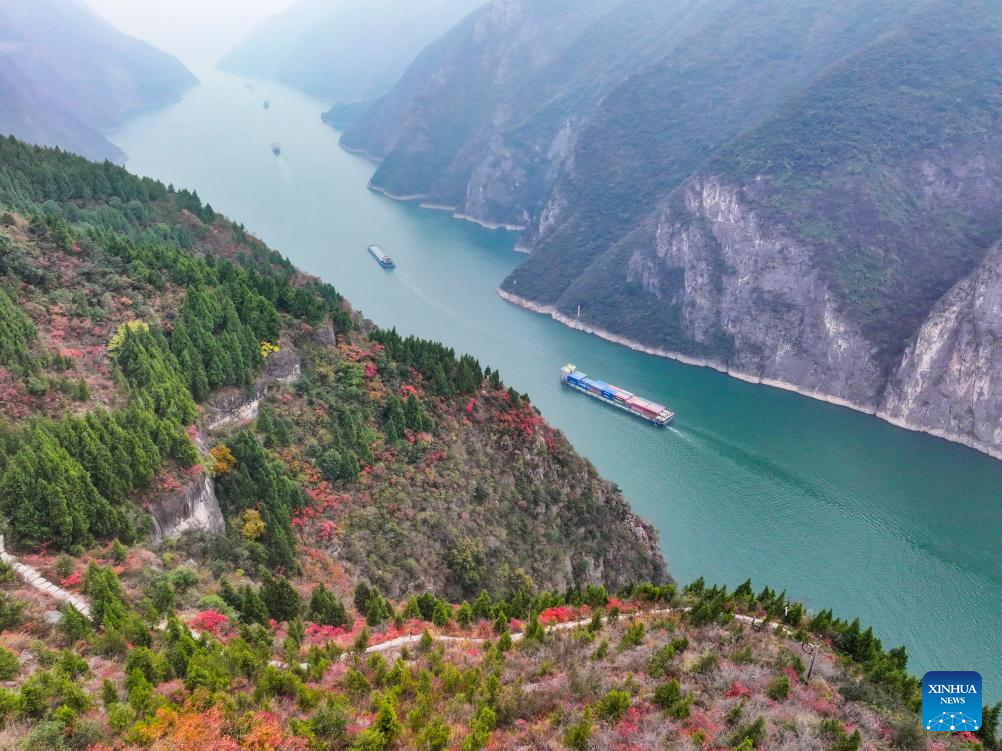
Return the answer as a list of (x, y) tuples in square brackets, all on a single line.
[(753, 292), (735, 291), (786, 191), (66, 75), (193, 507), (948, 383), (235, 408)]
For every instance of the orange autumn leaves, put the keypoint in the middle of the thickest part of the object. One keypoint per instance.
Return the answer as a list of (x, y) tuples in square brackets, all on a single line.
[(191, 730)]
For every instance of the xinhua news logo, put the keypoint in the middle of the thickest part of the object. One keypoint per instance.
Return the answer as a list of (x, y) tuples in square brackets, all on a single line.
[(951, 700)]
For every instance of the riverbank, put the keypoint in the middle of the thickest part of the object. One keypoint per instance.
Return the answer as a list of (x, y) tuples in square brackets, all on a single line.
[(812, 485), (451, 210), (721, 367)]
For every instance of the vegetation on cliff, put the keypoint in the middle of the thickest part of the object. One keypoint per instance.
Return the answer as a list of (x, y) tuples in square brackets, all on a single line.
[(652, 148), (135, 302), (382, 481), (66, 75)]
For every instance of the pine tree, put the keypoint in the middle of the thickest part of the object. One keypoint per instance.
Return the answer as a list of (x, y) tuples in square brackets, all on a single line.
[(464, 615), (482, 608), (252, 607), (281, 599), (105, 592), (326, 608), (229, 595), (266, 427)]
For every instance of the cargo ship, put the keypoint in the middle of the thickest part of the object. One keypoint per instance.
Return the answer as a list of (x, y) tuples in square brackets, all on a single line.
[(645, 409), (381, 258)]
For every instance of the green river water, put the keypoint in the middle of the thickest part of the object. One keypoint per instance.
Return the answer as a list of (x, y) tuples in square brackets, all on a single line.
[(836, 507)]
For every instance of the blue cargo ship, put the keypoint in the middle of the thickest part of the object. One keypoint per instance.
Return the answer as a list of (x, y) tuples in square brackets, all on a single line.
[(645, 409), (381, 258)]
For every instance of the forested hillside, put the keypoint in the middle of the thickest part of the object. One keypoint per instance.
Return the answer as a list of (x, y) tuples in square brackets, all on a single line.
[(66, 75), (128, 303), (408, 556), (785, 191)]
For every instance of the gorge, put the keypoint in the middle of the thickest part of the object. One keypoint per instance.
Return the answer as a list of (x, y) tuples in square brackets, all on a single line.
[(750, 482), (750, 187)]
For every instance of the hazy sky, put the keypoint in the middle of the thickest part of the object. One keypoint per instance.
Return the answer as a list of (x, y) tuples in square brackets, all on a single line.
[(194, 30)]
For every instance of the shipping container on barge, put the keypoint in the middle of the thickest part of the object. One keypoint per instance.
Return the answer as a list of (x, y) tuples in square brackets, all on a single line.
[(647, 410), (381, 258)]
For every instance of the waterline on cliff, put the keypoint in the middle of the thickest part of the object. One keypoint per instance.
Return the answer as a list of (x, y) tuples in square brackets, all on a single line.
[(720, 367)]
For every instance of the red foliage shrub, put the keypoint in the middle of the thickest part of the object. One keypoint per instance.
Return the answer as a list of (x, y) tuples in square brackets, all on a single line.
[(629, 725), (737, 689), (210, 621), (559, 614), (72, 581)]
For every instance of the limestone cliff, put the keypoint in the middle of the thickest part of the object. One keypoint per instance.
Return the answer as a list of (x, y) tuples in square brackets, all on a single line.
[(948, 383), (192, 507), (753, 294), (787, 195)]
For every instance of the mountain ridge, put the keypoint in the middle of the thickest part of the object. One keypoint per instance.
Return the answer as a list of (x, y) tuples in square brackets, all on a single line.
[(342, 53), (67, 76), (854, 142)]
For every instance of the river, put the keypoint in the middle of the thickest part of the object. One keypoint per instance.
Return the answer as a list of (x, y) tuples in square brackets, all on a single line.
[(838, 508)]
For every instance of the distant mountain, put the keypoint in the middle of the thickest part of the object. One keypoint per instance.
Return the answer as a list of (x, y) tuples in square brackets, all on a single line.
[(345, 50), (66, 75), (796, 192)]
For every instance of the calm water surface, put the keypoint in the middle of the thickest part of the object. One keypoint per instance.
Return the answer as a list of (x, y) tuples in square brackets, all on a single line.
[(838, 508)]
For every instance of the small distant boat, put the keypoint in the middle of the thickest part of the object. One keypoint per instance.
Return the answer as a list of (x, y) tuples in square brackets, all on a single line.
[(381, 258), (267, 104), (276, 149)]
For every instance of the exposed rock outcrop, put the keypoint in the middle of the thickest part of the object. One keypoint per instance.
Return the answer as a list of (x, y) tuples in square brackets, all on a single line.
[(324, 334), (284, 366), (757, 290), (232, 408), (948, 383), (193, 507)]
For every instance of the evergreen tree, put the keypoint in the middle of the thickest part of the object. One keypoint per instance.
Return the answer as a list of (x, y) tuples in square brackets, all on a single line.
[(326, 608), (17, 335), (258, 481), (229, 595), (281, 599), (47, 496), (106, 604), (252, 608)]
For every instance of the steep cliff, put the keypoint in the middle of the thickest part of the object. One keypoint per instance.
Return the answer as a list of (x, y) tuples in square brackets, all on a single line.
[(190, 508), (66, 75), (948, 382), (785, 191)]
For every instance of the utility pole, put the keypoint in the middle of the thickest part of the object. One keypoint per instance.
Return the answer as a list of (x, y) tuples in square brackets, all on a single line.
[(811, 648)]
